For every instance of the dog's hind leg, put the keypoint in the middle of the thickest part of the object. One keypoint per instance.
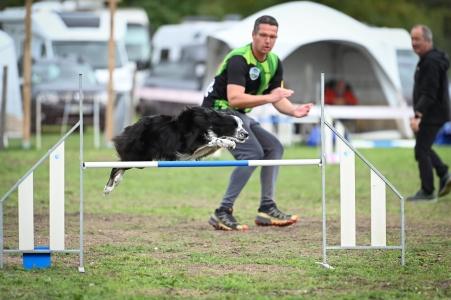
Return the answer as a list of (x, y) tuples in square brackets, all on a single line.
[(115, 178)]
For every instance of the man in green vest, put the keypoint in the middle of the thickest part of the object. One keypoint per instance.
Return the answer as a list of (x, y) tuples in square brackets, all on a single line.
[(248, 77)]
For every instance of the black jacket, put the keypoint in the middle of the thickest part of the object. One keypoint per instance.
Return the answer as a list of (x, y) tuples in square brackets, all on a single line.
[(430, 92)]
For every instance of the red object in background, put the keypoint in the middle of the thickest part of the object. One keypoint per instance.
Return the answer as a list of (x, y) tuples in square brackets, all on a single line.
[(330, 97), (339, 94)]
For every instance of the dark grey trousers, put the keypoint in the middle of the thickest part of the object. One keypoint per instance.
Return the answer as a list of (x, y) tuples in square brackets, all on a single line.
[(427, 158), (260, 145)]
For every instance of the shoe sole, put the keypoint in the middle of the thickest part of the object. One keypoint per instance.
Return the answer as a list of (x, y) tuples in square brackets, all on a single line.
[(220, 226), (262, 221), (446, 189)]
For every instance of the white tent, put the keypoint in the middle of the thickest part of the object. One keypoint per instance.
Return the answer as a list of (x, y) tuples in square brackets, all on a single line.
[(377, 62), (13, 95)]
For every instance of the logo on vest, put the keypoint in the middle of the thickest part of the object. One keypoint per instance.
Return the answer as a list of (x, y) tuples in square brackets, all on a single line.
[(254, 72)]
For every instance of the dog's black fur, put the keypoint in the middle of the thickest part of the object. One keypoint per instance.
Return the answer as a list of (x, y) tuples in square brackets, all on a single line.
[(195, 133)]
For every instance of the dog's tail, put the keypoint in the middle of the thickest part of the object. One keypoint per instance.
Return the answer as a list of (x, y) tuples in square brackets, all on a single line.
[(115, 178)]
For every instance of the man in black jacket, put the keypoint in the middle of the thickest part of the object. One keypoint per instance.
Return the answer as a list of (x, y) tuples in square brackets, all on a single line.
[(431, 107)]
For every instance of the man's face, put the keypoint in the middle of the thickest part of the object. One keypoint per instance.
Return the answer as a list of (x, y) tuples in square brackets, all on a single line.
[(419, 44), (264, 39)]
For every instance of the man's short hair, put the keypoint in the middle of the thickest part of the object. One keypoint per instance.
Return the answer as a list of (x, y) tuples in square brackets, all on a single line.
[(264, 20), (427, 32)]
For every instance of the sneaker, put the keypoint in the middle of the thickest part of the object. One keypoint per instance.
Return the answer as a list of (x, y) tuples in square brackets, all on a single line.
[(422, 196), (223, 219), (272, 216), (445, 185)]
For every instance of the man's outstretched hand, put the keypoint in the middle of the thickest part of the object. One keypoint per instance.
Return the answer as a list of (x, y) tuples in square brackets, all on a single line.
[(302, 110), (279, 94)]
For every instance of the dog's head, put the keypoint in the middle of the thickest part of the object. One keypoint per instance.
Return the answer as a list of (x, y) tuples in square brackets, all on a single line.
[(222, 124), (228, 126)]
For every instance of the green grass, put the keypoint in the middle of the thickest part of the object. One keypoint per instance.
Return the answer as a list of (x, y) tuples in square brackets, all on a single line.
[(150, 237)]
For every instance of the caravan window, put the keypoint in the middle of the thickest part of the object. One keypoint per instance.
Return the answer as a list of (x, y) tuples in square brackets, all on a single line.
[(60, 71), (38, 51), (173, 70), (92, 53), (137, 42), (77, 19), (164, 55), (37, 47), (407, 61)]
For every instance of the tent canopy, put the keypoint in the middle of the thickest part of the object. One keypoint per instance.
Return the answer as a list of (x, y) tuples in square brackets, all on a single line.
[(377, 63), (314, 38)]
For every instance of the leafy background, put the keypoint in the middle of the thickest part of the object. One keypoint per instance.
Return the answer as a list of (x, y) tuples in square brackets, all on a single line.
[(390, 13)]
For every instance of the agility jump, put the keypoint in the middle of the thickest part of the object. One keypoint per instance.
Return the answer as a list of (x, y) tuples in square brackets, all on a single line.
[(347, 195)]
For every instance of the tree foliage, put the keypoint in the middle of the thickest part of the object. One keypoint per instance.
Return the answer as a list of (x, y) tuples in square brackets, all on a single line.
[(399, 13)]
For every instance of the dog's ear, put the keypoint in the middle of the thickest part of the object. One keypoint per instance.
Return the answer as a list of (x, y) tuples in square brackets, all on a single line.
[(214, 115), (185, 116), (217, 118), (193, 124), (194, 117)]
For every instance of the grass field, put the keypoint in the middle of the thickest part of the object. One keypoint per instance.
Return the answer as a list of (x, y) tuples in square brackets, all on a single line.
[(150, 237)]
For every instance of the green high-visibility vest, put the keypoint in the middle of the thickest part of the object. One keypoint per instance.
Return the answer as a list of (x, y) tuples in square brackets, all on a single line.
[(267, 70)]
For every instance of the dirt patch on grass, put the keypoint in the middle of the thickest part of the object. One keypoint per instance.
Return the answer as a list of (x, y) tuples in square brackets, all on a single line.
[(166, 239), (121, 228), (240, 269)]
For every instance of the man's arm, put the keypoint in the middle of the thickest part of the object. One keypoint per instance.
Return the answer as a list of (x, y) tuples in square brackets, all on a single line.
[(286, 107), (239, 99), (278, 97)]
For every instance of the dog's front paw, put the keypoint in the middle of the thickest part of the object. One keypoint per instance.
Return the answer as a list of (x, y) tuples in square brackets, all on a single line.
[(213, 143), (232, 145), (223, 143)]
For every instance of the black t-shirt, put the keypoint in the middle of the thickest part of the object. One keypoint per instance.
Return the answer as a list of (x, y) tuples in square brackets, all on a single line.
[(240, 73)]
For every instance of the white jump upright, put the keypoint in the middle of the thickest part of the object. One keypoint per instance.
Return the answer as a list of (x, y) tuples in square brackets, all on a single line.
[(56, 204), (378, 185), (38, 256), (378, 206), (347, 195), (378, 211), (26, 217), (348, 202)]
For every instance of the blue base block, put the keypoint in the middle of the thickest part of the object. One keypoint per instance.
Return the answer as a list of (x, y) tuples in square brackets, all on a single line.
[(37, 260)]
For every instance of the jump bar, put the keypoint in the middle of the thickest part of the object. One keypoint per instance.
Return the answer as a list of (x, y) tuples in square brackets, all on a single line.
[(199, 164)]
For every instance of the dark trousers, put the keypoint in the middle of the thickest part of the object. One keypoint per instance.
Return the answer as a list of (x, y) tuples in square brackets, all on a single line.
[(260, 145), (426, 157)]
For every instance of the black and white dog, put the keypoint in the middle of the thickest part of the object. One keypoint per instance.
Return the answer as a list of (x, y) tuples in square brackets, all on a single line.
[(195, 133)]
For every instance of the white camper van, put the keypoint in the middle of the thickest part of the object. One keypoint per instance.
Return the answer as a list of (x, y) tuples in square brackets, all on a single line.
[(13, 99), (137, 36), (178, 66), (79, 35)]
